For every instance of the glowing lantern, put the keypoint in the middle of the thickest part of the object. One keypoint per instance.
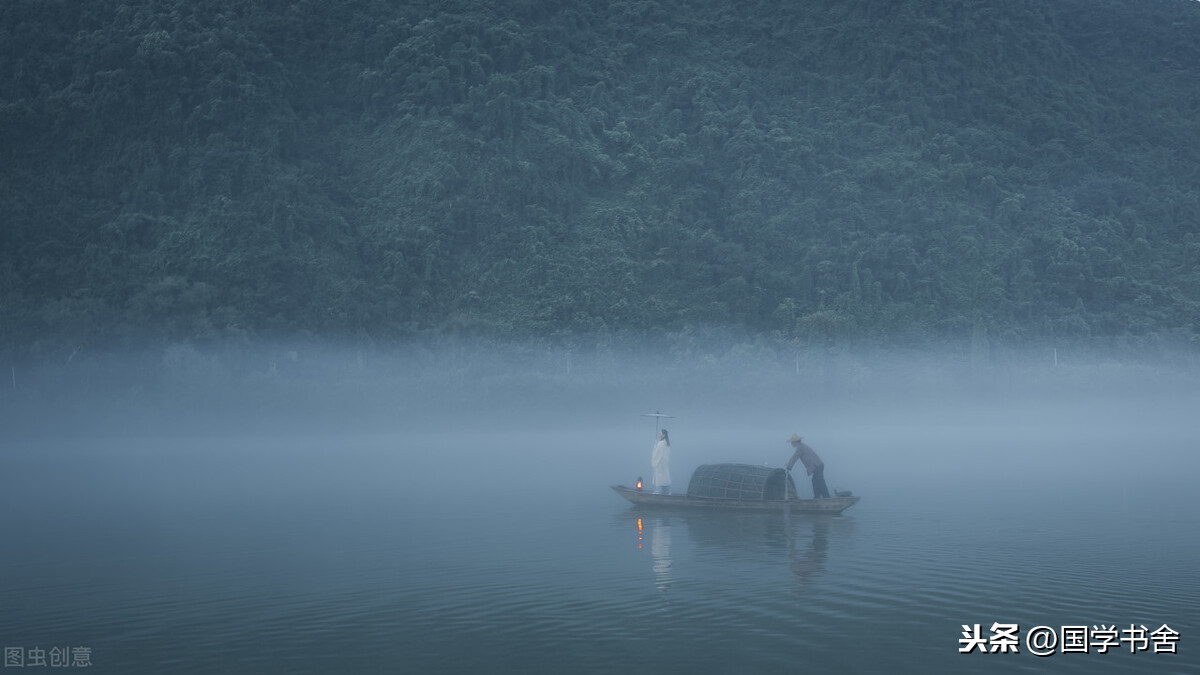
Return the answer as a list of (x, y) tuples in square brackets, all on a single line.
[(638, 484)]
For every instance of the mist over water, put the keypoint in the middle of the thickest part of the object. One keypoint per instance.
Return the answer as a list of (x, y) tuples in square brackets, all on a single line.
[(451, 512)]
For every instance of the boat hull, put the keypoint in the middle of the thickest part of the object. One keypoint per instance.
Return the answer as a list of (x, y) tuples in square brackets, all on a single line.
[(830, 505)]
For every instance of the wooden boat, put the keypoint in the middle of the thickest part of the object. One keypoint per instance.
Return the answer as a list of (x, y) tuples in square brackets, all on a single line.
[(740, 486), (831, 505)]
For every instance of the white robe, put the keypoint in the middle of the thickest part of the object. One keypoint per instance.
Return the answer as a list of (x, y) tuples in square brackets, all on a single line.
[(658, 460)]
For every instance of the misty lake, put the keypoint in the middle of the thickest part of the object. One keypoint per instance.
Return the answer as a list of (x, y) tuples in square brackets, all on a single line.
[(464, 547)]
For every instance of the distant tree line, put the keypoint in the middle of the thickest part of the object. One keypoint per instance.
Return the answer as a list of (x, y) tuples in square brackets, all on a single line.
[(891, 172)]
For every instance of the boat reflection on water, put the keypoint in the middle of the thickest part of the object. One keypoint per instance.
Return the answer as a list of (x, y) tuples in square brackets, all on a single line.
[(801, 542), (807, 554), (660, 550), (657, 530)]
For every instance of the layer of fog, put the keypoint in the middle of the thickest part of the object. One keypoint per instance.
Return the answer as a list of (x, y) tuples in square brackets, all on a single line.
[(182, 389), (904, 425)]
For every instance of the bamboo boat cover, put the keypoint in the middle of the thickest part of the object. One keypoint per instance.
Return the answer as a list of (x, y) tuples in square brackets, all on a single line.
[(745, 482)]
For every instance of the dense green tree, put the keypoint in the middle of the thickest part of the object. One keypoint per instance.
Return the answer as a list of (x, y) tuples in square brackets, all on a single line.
[(914, 171)]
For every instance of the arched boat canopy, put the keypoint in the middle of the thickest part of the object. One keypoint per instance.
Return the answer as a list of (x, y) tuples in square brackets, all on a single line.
[(744, 482)]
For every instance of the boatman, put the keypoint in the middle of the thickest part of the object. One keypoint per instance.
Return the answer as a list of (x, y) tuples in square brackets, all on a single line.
[(816, 468)]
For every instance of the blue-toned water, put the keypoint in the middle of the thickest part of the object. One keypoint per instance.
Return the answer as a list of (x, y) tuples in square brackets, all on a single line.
[(504, 551)]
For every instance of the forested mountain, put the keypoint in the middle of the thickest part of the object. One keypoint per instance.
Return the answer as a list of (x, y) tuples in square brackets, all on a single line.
[(896, 171)]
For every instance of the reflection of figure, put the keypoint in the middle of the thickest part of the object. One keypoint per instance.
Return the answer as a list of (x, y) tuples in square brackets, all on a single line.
[(816, 468), (658, 460), (809, 563), (660, 550)]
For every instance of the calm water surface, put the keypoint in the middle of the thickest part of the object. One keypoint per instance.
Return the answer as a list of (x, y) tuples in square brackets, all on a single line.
[(437, 553)]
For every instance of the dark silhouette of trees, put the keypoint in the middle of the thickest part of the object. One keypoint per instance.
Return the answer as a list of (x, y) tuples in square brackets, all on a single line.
[(819, 172)]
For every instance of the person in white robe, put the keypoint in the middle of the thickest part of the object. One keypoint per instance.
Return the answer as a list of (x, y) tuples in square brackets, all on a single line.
[(658, 460)]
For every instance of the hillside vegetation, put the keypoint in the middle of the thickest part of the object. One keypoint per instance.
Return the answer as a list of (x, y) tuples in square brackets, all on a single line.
[(906, 172)]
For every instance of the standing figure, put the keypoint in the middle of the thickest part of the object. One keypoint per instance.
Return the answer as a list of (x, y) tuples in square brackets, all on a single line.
[(658, 460), (816, 468)]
